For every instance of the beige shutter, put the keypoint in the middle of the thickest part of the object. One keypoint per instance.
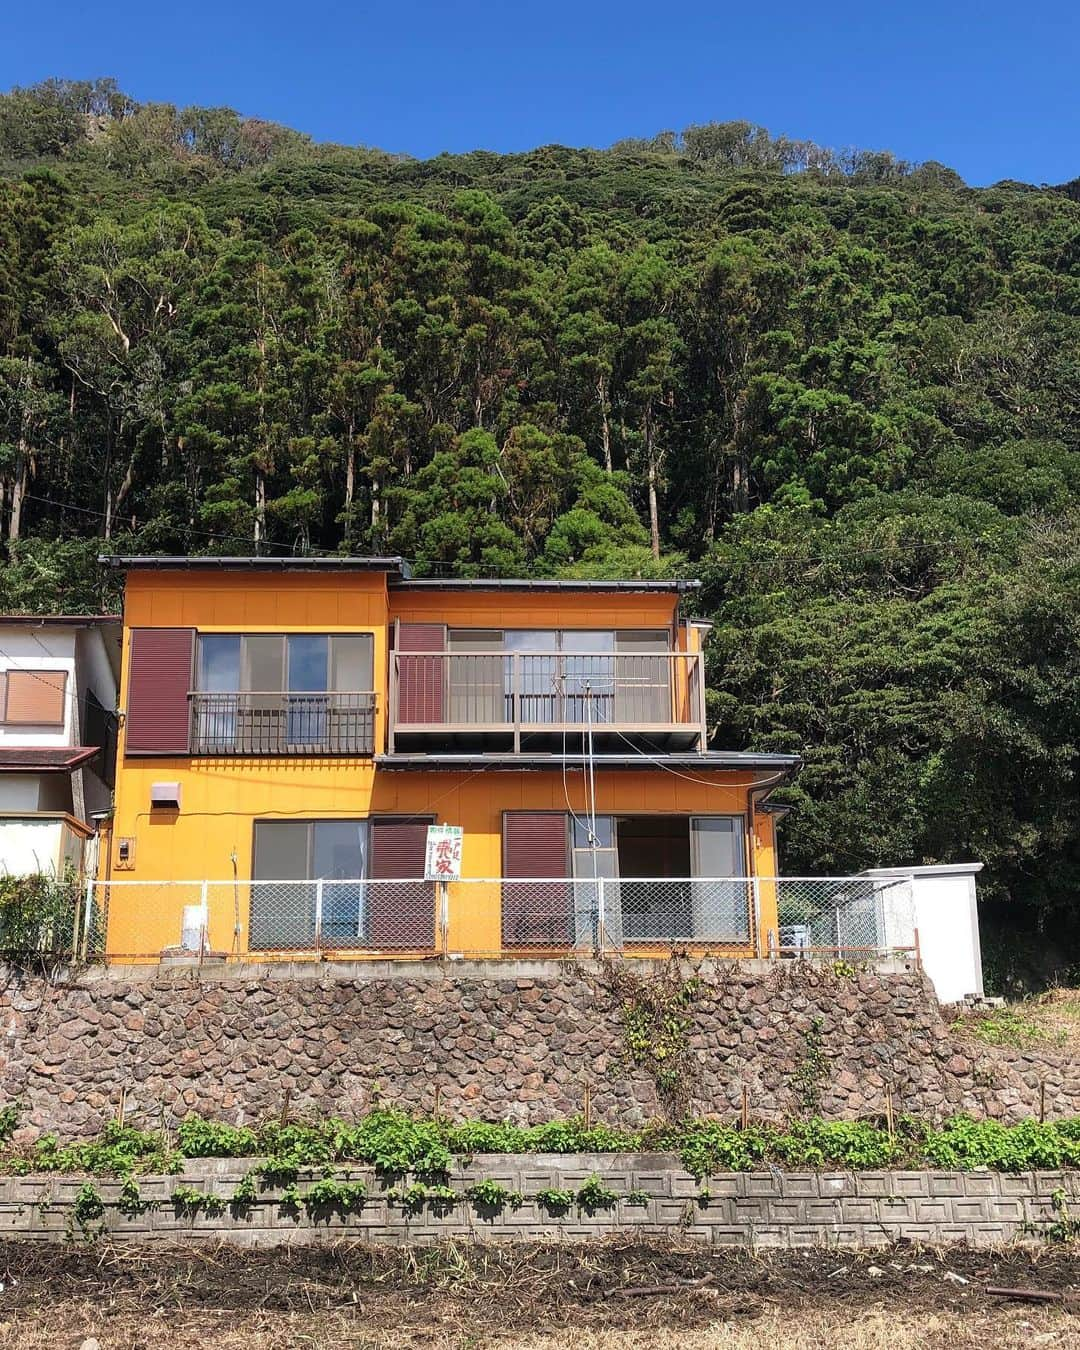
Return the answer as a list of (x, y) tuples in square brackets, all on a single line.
[(35, 698)]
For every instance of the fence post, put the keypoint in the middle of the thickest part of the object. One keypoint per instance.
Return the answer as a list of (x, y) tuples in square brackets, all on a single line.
[(601, 930), (318, 914), (755, 913), (87, 919), (444, 917), (204, 919)]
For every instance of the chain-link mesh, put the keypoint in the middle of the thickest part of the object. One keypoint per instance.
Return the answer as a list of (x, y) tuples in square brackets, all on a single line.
[(844, 916), (148, 918), (858, 917)]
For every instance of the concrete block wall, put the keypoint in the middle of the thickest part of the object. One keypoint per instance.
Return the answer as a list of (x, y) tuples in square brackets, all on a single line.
[(752, 1209)]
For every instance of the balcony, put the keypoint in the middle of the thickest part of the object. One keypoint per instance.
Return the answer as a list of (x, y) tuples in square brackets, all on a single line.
[(276, 723), (514, 701)]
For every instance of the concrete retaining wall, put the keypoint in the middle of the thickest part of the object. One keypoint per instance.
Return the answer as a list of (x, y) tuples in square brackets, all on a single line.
[(767, 1209)]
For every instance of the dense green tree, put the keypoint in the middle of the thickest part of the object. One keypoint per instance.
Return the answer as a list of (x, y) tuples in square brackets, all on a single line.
[(843, 389)]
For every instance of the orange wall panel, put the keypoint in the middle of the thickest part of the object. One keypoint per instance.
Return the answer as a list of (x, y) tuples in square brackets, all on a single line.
[(539, 609), (211, 835)]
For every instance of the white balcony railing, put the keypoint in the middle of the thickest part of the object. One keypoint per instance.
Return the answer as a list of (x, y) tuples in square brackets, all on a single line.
[(534, 693), (859, 918)]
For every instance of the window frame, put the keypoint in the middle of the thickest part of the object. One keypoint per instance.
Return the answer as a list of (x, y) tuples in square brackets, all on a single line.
[(283, 635), (34, 673)]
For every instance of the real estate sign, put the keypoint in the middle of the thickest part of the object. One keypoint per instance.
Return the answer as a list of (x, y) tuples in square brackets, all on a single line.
[(442, 859)]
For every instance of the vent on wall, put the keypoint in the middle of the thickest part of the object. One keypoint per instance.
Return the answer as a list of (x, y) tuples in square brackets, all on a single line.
[(165, 796)]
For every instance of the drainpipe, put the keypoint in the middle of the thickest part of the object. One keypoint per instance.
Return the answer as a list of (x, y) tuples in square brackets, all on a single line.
[(760, 791)]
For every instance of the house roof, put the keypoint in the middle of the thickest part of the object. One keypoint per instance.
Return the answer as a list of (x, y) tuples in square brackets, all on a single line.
[(687, 761), (69, 620), (399, 571), (44, 758), (534, 584), (202, 563)]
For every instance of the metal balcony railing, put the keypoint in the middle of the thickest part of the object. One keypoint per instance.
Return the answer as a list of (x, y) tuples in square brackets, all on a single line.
[(811, 918), (532, 693), (277, 723)]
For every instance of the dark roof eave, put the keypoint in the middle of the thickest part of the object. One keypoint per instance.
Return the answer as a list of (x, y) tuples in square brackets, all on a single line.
[(63, 620), (674, 586), (179, 562), (693, 761), (45, 759)]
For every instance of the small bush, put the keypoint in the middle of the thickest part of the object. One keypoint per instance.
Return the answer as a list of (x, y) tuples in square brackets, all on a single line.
[(594, 1195), (39, 917), (555, 1201), (491, 1196), (187, 1200), (344, 1197)]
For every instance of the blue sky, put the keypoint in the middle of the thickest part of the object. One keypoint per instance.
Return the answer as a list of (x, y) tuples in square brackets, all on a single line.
[(988, 88)]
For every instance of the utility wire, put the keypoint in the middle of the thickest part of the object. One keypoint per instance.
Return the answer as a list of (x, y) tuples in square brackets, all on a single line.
[(761, 561)]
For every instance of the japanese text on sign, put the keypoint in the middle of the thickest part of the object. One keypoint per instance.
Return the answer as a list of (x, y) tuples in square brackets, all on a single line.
[(442, 859)]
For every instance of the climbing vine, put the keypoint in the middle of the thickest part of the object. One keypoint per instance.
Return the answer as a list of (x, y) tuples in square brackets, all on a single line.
[(656, 1020)]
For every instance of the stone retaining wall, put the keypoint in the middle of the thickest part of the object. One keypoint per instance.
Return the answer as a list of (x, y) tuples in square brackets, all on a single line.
[(498, 1040), (766, 1209)]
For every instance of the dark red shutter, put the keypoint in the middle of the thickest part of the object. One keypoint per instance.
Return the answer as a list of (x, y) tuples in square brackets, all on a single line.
[(401, 915), (535, 844), (421, 678), (158, 720)]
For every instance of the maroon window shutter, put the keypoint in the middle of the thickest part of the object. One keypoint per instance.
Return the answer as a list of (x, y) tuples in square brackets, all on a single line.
[(421, 678), (536, 844), (402, 915), (158, 720)]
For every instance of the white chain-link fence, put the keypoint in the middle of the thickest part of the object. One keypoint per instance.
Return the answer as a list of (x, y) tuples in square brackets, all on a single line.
[(841, 916), (782, 917)]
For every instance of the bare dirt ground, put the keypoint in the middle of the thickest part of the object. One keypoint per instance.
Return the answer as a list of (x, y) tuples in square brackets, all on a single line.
[(613, 1295)]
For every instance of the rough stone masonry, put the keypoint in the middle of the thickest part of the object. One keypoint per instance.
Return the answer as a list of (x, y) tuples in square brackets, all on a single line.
[(516, 1041)]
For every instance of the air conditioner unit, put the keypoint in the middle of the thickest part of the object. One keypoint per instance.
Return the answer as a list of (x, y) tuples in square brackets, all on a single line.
[(165, 796)]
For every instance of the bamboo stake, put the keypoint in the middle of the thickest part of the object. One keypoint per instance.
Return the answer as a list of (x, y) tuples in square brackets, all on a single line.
[(744, 1116), (588, 1106)]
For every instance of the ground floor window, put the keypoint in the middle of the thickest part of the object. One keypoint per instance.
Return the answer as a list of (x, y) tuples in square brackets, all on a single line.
[(671, 877), (289, 853), (663, 878)]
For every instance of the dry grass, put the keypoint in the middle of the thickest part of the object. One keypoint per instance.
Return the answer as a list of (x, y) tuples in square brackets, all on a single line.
[(1050, 1020), (881, 1327), (534, 1297)]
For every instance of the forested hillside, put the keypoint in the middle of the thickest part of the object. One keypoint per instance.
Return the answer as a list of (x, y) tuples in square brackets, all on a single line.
[(842, 390)]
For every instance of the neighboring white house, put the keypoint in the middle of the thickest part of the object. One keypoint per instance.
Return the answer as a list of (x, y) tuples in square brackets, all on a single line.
[(58, 687)]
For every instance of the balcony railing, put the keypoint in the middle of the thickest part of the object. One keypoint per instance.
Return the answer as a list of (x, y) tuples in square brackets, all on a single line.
[(277, 723), (503, 697)]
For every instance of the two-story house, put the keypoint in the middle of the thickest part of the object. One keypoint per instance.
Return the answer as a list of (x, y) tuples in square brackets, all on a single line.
[(58, 686), (291, 727)]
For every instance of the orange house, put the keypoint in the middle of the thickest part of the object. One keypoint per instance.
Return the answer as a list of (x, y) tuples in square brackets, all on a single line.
[(292, 727)]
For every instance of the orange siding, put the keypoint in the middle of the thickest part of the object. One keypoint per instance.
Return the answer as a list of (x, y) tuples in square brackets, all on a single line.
[(211, 835)]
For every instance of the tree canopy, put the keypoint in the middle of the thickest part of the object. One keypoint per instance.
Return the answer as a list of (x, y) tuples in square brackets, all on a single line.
[(842, 389)]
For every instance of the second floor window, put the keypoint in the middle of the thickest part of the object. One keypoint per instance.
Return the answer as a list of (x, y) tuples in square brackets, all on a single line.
[(285, 663), (284, 693)]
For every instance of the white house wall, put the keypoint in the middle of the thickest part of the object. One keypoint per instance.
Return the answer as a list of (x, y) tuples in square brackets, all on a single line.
[(33, 846), (23, 648)]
